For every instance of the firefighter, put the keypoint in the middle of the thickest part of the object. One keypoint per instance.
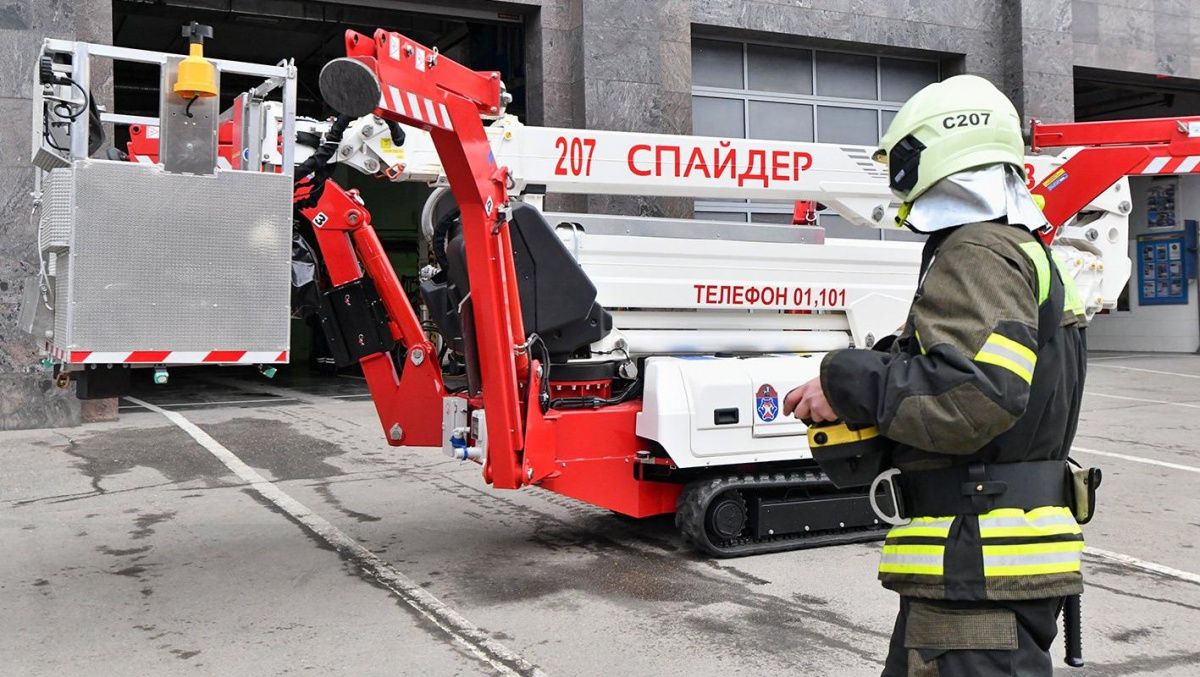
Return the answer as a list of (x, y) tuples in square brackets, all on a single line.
[(979, 392)]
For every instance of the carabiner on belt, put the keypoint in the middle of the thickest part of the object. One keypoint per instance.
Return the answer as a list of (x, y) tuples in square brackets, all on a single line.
[(896, 518)]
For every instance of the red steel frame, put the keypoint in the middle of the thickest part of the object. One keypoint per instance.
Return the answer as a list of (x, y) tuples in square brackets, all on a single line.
[(409, 402), (1111, 150)]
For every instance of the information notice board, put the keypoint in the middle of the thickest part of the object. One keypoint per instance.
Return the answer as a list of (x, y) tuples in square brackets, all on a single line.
[(1162, 278)]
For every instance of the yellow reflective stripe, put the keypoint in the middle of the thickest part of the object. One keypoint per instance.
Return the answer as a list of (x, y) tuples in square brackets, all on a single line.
[(917, 335), (1071, 300), (1032, 559), (912, 559), (935, 527), (1037, 254), (1013, 522), (1007, 353), (1001, 341)]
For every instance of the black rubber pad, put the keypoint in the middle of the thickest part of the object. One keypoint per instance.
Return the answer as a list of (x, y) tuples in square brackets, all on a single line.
[(350, 87)]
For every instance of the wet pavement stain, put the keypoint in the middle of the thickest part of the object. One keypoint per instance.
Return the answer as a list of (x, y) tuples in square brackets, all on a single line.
[(121, 552), (145, 523), (622, 574), (1131, 635), (165, 449), (324, 490), (262, 443), (276, 447)]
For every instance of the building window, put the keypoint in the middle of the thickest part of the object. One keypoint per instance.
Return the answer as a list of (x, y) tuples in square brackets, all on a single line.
[(762, 91)]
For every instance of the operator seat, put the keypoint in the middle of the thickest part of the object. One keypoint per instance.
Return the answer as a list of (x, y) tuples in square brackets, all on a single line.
[(558, 300)]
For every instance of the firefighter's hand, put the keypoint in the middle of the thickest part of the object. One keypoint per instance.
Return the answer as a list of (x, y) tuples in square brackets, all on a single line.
[(808, 403)]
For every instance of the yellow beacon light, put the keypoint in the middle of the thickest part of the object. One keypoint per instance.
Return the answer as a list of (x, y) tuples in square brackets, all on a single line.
[(197, 76)]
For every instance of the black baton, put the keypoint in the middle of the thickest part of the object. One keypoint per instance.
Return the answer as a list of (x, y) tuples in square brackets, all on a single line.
[(1073, 632)]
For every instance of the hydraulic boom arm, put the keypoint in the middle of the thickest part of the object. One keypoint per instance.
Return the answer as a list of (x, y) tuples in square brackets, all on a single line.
[(1112, 150), (408, 83)]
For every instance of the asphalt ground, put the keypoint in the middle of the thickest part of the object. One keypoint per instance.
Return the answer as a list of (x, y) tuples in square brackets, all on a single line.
[(282, 535)]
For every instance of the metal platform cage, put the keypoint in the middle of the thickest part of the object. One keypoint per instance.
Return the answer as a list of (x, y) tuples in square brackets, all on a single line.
[(140, 258), (172, 262)]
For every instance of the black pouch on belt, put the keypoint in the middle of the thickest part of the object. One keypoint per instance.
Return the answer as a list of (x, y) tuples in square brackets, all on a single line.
[(1082, 487), (849, 457)]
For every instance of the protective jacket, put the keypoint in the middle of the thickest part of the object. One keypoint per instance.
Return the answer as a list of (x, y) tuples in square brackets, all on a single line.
[(987, 372)]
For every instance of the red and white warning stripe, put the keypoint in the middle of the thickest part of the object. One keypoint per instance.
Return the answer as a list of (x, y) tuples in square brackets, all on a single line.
[(1189, 164), (169, 356), (419, 107)]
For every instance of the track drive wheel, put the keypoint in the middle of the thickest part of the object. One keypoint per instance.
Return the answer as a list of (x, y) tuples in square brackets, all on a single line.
[(726, 516)]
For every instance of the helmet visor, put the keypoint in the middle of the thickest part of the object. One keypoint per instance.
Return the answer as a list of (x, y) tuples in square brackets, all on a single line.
[(903, 161)]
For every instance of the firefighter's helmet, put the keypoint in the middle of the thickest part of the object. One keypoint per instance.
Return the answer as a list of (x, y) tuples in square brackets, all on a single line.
[(947, 127)]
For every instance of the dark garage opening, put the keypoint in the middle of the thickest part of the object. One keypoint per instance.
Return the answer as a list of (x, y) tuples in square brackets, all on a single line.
[(312, 33)]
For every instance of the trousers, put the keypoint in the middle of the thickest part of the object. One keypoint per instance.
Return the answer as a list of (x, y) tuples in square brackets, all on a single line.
[(934, 638)]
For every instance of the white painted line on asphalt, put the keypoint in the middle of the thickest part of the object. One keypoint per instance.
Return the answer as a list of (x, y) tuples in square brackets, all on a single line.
[(1138, 459), (1123, 357), (501, 658), (1142, 399), (1142, 564), (1148, 371)]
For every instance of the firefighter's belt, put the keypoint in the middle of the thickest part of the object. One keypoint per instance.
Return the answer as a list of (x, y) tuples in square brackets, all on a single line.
[(977, 488)]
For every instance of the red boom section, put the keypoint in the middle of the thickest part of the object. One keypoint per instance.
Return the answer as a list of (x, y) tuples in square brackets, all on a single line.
[(422, 90), (590, 454), (1110, 151), (409, 403)]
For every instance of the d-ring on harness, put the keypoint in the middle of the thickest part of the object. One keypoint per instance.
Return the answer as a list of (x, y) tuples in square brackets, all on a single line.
[(895, 518)]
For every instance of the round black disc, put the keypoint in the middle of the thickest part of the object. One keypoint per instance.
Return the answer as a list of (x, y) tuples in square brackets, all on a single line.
[(727, 515), (350, 87)]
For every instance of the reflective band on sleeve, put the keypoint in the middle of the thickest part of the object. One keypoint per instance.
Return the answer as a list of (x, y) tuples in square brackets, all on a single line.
[(1007, 353), (917, 335), (932, 527), (1032, 559), (1037, 254), (1013, 522), (912, 559)]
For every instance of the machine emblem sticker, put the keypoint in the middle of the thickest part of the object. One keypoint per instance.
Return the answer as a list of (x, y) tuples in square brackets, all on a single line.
[(766, 403)]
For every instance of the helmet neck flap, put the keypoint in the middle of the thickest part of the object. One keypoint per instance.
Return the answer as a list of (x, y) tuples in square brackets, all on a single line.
[(988, 193)]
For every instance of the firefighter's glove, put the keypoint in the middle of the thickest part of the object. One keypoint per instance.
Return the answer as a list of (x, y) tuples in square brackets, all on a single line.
[(808, 403)]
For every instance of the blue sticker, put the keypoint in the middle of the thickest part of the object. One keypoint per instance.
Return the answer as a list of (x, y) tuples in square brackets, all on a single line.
[(766, 403)]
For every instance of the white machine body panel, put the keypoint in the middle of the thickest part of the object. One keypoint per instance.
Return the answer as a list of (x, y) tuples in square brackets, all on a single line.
[(710, 411), (771, 296)]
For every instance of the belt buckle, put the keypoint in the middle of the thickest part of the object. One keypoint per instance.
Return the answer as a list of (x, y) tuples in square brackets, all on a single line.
[(895, 519)]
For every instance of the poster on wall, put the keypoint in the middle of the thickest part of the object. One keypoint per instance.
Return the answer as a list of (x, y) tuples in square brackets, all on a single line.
[(1161, 273), (1161, 213)]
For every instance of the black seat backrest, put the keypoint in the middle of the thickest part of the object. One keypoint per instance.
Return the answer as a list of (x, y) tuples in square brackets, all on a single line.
[(558, 301)]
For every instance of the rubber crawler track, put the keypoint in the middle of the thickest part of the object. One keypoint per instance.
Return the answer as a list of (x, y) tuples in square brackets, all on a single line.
[(694, 500)]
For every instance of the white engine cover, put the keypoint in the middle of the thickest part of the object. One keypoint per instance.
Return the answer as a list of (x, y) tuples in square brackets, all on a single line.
[(689, 404)]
